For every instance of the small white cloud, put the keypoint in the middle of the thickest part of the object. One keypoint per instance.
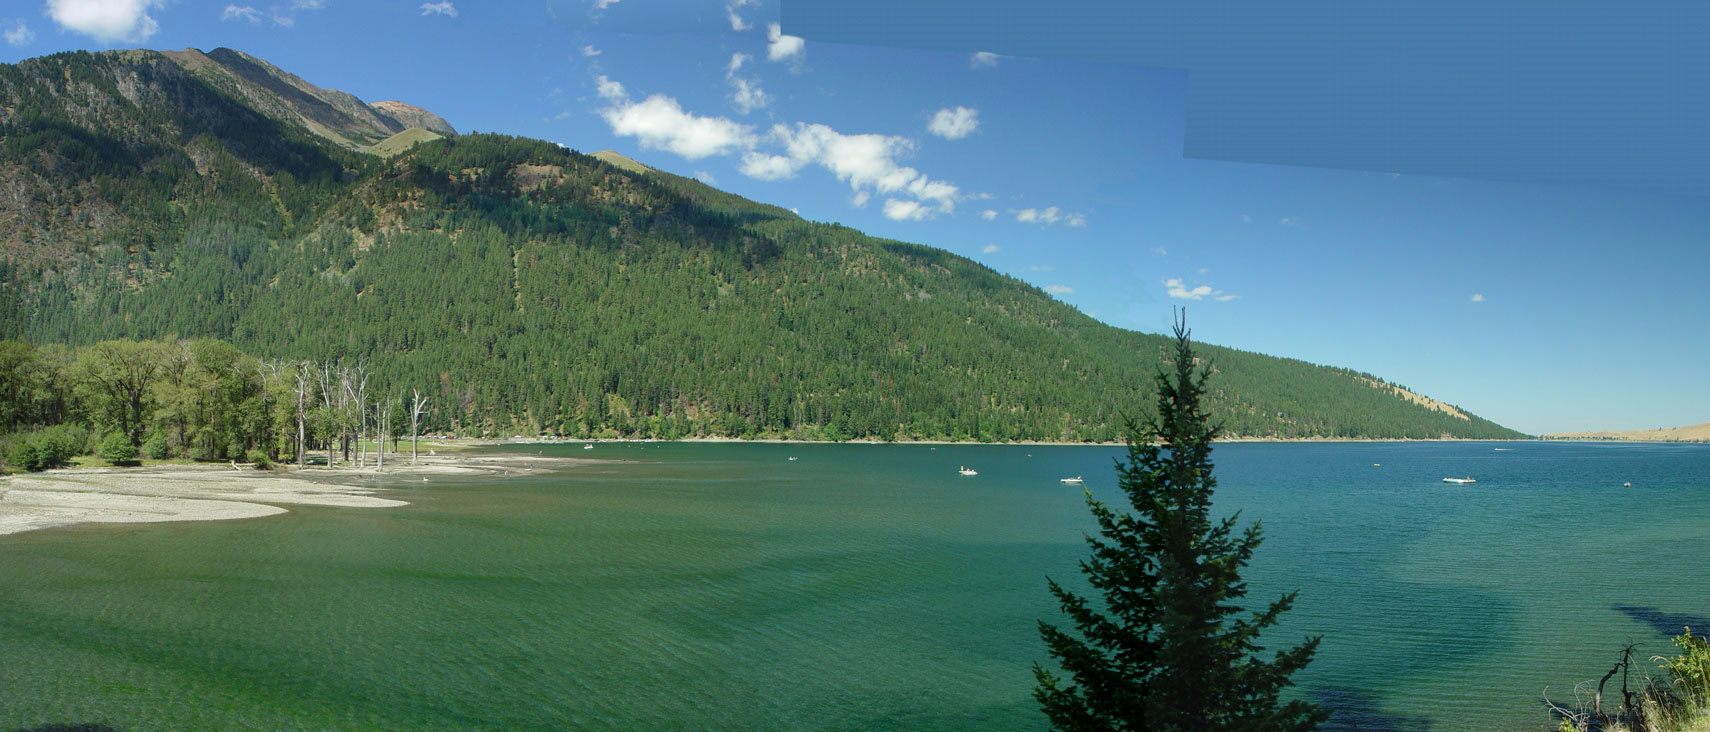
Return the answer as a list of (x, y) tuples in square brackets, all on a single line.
[(898, 209), (983, 58), (107, 21), (609, 90), (706, 178), (865, 162), (1179, 290), (736, 22), (1246, 219), (589, 51), (603, 4), (859, 200), (1477, 297), (746, 94), (780, 47), (1060, 289), (443, 7), (988, 214), (1041, 268), (990, 248), (769, 167), (1289, 221), (658, 122), (1050, 215), (245, 12), (20, 35), (1160, 251), (954, 124)]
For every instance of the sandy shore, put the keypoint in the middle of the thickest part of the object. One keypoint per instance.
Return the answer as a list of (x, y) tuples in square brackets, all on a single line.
[(216, 493)]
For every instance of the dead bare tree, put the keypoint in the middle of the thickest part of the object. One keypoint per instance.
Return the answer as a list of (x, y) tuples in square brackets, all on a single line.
[(418, 405)]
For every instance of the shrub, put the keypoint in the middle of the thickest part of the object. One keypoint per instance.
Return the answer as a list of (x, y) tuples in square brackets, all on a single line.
[(262, 462), (154, 447), (117, 449), (54, 447), (22, 455)]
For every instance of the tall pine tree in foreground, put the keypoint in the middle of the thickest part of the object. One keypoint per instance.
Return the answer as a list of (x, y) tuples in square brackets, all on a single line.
[(1170, 649)]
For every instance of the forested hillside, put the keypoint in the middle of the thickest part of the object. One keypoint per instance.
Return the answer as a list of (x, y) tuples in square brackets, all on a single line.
[(530, 288)]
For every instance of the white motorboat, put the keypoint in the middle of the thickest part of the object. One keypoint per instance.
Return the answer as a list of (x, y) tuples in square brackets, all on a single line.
[(1072, 481), (967, 471), (1460, 481)]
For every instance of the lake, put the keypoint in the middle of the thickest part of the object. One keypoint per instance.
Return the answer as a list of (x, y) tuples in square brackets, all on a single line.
[(859, 587)]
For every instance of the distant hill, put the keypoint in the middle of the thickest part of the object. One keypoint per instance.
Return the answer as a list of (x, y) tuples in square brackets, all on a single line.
[(528, 287), (1690, 433)]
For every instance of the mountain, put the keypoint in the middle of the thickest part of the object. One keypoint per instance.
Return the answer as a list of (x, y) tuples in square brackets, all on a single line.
[(530, 287), (1689, 433)]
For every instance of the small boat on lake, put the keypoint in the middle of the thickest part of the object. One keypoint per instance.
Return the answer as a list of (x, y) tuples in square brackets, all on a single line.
[(967, 471), (1460, 481), (794, 459), (1072, 481), (588, 446)]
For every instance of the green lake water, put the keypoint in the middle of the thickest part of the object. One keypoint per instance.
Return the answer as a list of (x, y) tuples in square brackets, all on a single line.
[(860, 587)]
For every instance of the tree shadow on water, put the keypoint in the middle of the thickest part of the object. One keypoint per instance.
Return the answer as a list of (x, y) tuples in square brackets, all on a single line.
[(1668, 624), (1357, 711)]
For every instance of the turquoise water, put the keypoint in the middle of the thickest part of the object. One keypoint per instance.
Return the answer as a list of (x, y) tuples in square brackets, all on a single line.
[(723, 587)]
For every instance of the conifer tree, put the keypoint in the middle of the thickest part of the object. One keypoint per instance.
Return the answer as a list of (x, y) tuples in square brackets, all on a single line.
[(1170, 649)]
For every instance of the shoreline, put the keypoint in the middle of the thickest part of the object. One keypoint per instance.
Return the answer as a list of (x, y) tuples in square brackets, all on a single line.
[(491, 441), (210, 492)]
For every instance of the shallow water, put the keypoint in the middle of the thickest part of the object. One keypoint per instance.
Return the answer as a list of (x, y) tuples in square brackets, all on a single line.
[(723, 587)]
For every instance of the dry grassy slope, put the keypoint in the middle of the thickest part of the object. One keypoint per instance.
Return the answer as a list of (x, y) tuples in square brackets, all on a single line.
[(616, 160), (402, 141), (1689, 433)]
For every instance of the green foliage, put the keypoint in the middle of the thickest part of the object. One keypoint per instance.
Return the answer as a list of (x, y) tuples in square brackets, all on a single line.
[(116, 449), (1171, 648), (48, 448), (1689, 670), (259, 459), (154, 447)]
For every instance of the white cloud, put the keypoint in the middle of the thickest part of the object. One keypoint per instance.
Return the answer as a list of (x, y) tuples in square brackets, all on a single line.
[(609, 90), (769, 167), (983, 58), (589, 51), (859, 200), (954, 124), (990, 248), (863, 161), (706, 178), (443, 7), (1477, 297), (1289, 221), (245, 12), (1049, 215), (780, 47), (107, 21), (988, 214), (736, 22), (1060, 289), (658, 122), (898, 209), (1041, 268), (603, 4), (1160, 251), (20, 35), (1246, 219), (746, 94), (286, 15), (1076, 220), (1180, 291)]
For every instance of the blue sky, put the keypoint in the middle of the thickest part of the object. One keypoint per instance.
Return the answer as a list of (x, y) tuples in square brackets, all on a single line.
[(1544, 309)]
